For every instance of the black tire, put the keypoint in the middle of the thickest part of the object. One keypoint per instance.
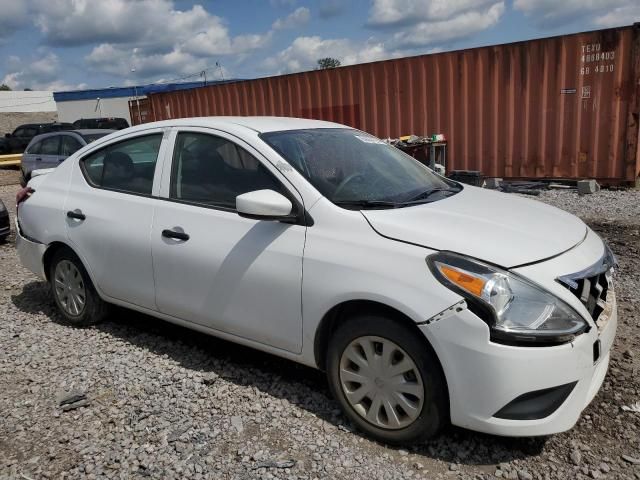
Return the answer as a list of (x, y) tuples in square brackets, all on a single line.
[(95, 309), (435, 407)]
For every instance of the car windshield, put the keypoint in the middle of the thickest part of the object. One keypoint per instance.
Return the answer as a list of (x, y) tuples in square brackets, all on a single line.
[(354, 169)]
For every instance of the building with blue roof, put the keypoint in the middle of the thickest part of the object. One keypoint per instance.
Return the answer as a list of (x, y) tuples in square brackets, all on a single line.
[(114, 101)]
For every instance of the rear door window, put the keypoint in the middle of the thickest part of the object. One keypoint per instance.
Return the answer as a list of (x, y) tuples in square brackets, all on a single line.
[(50, 146), (69, 145), (126, 166)]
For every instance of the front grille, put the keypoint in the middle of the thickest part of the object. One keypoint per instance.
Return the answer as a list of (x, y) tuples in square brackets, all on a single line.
[(592, 292), (592, 284)]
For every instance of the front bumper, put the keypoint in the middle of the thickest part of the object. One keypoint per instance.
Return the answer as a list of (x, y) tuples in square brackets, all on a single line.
[(483, 377), (31, 252)]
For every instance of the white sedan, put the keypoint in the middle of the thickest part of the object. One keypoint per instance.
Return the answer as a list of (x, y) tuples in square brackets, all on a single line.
[(426, 301)]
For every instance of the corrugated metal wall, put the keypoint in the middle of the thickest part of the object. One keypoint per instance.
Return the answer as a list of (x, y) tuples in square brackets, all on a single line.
[(563, 107)]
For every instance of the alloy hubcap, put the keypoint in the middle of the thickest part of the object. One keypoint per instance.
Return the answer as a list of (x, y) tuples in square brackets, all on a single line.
[(69, 288), (381, 382)]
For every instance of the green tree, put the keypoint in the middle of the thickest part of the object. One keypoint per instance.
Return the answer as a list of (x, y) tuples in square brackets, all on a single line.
[(5, 88), (328, 62)]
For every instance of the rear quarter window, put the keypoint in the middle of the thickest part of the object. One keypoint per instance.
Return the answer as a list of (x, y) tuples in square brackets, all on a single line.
[(127, 166)]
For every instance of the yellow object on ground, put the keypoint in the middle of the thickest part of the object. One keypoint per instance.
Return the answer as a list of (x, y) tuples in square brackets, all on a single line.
[(10, 160)]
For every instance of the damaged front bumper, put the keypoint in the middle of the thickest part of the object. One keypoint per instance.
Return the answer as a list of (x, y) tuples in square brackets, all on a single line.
[(516, 390), (483, 377)]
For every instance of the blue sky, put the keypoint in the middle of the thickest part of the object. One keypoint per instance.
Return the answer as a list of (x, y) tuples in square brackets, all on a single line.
[(70, 44)]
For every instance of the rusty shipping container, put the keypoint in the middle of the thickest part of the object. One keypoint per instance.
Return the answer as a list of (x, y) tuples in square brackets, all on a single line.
[(560, 107)]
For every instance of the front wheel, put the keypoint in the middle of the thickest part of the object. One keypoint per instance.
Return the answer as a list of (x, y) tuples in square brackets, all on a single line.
[(24, 178), (73, 291), (387, 380)]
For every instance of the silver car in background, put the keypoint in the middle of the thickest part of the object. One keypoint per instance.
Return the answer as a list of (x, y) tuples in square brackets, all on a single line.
[(50, 149)]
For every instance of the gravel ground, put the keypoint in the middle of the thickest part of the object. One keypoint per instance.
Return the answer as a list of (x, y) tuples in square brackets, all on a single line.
[(162, 402), (604, 206), (9, 176)]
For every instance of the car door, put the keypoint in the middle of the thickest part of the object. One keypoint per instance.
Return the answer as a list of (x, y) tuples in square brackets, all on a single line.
[(215, 268), (29, 162), (49, 151), (109, 210), (69, 145)]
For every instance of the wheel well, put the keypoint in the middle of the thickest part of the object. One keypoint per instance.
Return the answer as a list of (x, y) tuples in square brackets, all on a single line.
[(342, 312), (49, 253)]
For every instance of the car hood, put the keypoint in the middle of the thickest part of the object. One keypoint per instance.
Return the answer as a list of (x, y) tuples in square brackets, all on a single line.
[(500, 228)]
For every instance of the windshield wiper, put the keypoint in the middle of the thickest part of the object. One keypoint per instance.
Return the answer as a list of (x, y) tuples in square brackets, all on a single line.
[(427, 193), (367, 204), (415, 200)]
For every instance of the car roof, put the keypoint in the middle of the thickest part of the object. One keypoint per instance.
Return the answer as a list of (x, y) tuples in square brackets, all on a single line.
[(42, 136), (99, 119), (79, 133), (90, 131), (258, 124)]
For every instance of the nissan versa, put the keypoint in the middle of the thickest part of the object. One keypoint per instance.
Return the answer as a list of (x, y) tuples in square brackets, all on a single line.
[(426, 301)]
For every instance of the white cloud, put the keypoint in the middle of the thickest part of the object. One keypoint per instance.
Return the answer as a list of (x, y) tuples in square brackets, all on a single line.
[(166, 39), (425, 23), (605, 13), (387, 13), (145, 22), (214, 42), (150, 35), (299, 17), (304, 52), (119, 62), (41, 73), (452, 29), (623, 15)]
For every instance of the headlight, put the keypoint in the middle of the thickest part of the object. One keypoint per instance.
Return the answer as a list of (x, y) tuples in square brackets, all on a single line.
[(516, 310)]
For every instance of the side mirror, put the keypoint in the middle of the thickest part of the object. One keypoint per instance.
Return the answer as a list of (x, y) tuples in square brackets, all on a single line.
[(7, 135), (263, 205)]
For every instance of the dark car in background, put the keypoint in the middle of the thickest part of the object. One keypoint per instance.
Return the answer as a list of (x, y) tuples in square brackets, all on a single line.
[(4, 222), (110, 123), (51, 149), (18, 140)]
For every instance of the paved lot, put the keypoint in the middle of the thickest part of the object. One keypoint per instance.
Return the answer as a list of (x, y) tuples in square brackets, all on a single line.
[(168, 403)]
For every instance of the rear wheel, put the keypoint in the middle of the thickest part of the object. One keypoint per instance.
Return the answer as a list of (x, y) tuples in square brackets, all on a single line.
[(73, 291), (387, 379)]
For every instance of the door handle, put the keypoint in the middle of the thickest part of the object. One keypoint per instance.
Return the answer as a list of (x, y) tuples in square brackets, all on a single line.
[(177, 235), (38, 159), (78, 215)]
